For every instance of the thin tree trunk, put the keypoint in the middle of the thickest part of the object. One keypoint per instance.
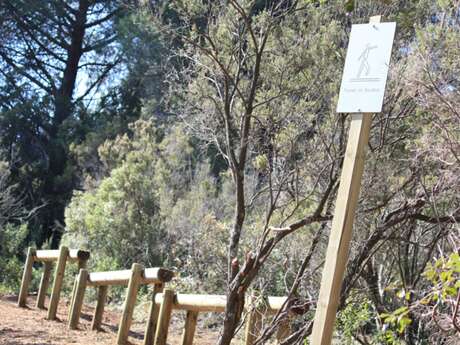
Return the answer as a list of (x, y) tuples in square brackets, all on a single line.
[(63, 99), (63, 109)]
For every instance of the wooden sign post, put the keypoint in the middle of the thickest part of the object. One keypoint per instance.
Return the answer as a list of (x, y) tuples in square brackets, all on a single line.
[(361, 69)]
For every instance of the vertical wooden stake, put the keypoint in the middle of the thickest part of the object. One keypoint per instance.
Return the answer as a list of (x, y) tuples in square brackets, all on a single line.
[(26, 277), (341, 230), (342, 224), (130, 301), (44, 282), (82, 264), (153, 316), (72, 296), (99, 311), (164, 317), (189, 328), (77, 300), (58, 278), (252, 325)]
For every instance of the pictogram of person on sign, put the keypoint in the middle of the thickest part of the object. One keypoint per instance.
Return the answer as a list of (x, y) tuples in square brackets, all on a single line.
[(364, 58)]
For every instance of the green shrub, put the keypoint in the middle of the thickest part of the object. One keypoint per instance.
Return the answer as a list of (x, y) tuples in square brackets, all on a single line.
[(11, 241)]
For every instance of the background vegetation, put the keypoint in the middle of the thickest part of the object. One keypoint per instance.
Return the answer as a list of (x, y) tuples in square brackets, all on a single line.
[(202, 136)]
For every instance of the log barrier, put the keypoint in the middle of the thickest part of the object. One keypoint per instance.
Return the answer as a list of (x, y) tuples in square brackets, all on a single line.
[(195, 304), (133, 278), (60, 256)]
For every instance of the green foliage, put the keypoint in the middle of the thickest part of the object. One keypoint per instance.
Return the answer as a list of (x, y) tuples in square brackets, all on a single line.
[(399, 318), (120, 218), (444, 276), (390, 338), (197, 227), (155, 207), (41, 110), (13, 231), (444, 286), (12, 240), (353, 318)]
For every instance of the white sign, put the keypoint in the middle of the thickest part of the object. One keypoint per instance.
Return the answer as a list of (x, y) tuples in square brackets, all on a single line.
[(366, 68)]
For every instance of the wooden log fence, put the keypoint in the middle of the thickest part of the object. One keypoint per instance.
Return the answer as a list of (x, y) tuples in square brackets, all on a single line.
[(137, 276), (48, 257), (162, 302), (195, 304)]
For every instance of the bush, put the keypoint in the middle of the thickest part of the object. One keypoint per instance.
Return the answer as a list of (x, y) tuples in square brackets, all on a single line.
[(11, 241)]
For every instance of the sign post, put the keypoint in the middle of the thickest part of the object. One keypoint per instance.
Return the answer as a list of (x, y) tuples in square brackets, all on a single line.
[(361, 93)]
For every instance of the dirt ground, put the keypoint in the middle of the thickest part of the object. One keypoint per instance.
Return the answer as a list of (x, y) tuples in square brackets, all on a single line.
[(27, 326)]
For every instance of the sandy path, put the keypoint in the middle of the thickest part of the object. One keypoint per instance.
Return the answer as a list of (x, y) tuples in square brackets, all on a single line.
[(27, 326)]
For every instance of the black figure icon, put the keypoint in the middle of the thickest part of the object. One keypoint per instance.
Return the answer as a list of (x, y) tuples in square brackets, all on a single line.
[(364, 57)]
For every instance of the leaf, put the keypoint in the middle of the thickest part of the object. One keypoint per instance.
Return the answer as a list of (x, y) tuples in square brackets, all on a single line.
[(425, 300), (403, 322), (401, 311)]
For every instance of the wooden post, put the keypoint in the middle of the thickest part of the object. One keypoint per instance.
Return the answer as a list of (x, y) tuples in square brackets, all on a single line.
[(77, 300), (341, 230), (130, 301), (26, 277), (58, 279), (44, 282), (164, 317), (72, 296), (153, 316), (252, 326), (342, 224), (189, 328), (82, 263), (99, 311)]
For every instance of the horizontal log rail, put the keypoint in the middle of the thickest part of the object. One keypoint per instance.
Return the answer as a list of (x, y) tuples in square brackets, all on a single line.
[(213, 303), (53, 255), (111, 278), (195, 304), (133, 278), (48, 257)]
